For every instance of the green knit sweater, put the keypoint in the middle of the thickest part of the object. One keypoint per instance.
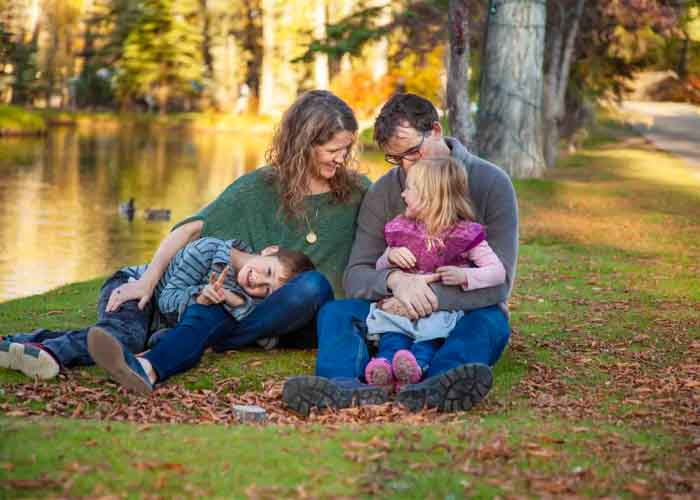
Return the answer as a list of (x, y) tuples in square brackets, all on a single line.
[(249, 210)]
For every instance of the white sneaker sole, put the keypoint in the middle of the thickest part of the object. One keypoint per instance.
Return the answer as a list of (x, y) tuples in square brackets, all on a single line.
[(30, 360)]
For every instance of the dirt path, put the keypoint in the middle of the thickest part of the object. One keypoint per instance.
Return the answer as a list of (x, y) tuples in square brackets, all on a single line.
[(673, 127)]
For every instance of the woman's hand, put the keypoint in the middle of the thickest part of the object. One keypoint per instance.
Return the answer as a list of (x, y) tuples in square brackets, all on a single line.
[(401, 257), (452, 275), (132, 290)]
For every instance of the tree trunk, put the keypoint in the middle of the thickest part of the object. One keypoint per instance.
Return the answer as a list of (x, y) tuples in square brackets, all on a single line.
[(509, 131), (253, 43), (321, 74), (460, 121), (267, 77), (682, 69), (558, 78), (206, 40)]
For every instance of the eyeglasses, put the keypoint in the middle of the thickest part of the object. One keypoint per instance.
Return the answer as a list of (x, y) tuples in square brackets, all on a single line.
[(410, 154)]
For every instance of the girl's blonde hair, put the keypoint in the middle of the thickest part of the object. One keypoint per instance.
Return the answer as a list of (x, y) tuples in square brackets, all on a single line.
[(442, 186), (312, 120)]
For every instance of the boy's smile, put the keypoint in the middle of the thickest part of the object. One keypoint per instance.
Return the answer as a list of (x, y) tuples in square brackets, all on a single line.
[(261, 275)]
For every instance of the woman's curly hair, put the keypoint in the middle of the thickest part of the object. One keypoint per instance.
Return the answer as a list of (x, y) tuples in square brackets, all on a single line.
[(314, 118)]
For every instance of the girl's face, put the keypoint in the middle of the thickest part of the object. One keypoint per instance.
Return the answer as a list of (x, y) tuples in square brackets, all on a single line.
[(411, 197), (329, 157)]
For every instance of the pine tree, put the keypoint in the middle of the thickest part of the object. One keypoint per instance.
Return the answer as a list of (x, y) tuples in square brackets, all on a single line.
[(162, 55)]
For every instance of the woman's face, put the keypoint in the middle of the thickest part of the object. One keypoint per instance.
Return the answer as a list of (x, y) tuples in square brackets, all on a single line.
[(329, 157)]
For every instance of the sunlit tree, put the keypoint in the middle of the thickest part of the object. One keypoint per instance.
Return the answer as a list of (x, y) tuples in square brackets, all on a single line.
[(509, 131), (162, 56)]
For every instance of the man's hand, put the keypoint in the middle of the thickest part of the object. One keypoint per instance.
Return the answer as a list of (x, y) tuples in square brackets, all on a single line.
[(401, 257), (452, 275), (414, 293), (213, 293), (132, 290)]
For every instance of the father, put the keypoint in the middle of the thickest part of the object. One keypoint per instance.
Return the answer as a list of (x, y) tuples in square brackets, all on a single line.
[(408, 129)]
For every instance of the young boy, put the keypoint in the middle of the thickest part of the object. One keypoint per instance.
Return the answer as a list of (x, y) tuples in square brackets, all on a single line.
[(196, 274)]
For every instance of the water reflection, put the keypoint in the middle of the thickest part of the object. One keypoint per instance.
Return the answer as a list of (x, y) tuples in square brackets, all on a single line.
[(59, 196)]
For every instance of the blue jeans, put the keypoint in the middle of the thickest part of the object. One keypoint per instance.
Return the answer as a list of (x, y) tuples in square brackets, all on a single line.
[(129, 325), (392, 342), (479, 337), (283, 313)]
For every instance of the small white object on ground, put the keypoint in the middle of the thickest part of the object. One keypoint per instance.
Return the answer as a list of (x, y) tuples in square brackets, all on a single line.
[(249, 413)]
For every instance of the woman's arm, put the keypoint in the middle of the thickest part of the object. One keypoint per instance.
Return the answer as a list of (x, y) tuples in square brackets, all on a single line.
[(142, 288)]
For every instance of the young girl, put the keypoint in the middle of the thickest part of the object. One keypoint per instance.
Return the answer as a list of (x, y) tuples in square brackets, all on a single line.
[(436, 234)]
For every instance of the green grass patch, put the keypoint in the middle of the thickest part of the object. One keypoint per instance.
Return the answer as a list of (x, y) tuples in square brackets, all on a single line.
[(15, 120)]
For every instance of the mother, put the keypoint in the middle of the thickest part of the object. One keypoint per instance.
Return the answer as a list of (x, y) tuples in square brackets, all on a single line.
[(305, 199)]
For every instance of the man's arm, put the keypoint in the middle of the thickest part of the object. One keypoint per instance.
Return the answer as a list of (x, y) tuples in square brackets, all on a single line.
[(361, 279), (501, 221)]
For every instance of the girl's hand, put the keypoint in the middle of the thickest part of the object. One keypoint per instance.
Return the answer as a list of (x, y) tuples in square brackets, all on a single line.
[(401, 257), (452, 275)]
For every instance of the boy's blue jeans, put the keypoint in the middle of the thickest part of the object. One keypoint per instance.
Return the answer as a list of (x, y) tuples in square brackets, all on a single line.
[(392, 342), (283, 313), (479, 337), (129, 325)]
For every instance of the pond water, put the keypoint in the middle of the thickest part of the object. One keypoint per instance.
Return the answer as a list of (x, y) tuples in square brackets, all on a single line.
[(59, 196)]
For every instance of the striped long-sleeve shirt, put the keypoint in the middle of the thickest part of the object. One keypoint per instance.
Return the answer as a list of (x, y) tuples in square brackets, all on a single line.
[(188, 273)]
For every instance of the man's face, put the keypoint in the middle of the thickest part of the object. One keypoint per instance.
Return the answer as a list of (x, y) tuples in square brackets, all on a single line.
[(407, 145)]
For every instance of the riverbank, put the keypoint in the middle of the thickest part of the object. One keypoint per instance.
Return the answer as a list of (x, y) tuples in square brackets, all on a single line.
[(596, 395), (17, 121)]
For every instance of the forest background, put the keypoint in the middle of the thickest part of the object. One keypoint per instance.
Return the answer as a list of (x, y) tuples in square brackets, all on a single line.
[(598, 391), (513, 77)]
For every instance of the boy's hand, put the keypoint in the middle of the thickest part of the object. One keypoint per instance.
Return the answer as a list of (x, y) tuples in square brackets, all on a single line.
[(402, 257), (213, 293), (209, 296), (452, 275)]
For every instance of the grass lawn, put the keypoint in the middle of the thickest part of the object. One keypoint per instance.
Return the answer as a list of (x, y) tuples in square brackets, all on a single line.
[(597, 394)]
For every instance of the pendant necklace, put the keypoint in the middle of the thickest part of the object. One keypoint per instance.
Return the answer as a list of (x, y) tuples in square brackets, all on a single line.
[(311, 236)]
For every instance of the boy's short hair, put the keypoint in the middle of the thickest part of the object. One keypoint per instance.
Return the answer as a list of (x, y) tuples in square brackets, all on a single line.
[(293, 262), (414, 109)]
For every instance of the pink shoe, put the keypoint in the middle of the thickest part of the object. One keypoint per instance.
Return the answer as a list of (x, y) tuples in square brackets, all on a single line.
[(406, 369), (378, 372)]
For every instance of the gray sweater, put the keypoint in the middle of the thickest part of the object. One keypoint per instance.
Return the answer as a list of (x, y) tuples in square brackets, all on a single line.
[(496, 207)]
